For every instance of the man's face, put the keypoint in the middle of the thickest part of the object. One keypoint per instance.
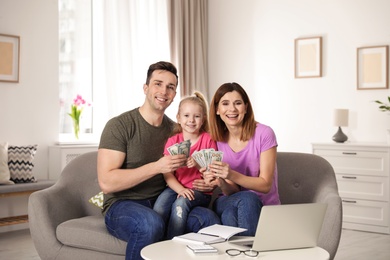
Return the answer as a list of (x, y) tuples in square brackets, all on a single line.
[(161, 89)]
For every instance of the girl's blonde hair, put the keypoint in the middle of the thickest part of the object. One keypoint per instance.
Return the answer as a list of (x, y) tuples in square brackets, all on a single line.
[(198, 99)]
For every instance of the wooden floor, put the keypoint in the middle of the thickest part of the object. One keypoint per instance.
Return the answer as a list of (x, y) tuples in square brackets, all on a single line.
[(354, 245)]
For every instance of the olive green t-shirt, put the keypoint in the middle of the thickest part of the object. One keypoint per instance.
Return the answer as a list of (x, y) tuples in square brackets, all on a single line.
[(143, 143)]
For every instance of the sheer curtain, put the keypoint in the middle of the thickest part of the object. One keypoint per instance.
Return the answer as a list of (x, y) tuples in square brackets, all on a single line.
[(128, 36)]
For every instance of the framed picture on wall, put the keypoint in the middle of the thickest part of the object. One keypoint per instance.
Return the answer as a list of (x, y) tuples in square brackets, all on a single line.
[(373, 67), (9, 58), (308, 57)]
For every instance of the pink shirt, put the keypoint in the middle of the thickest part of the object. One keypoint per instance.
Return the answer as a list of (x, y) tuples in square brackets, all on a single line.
[(184, 174), (247, 161)]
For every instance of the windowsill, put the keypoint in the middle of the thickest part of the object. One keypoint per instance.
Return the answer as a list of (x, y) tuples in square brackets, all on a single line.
[(84, 139)]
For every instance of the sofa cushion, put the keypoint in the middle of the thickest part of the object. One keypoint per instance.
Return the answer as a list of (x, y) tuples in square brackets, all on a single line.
[(20, 163), (97, 200), (89, 233), (4, 170)]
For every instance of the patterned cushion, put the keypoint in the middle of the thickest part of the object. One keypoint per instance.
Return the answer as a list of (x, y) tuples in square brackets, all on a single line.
[(97, 200), (4, 170), (20, 163)]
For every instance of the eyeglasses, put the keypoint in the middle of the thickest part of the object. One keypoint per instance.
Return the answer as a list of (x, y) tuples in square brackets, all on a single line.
[(236, 252)]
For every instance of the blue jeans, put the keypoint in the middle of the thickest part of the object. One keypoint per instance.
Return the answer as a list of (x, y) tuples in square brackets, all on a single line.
[(241, 209), (174, 210), (135, 222)]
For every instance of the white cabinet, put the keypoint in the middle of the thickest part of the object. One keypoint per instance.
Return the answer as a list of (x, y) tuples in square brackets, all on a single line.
[(362, 172), (61, 155)]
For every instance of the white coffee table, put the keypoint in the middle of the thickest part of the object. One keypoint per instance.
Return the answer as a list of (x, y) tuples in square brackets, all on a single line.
[(171, 250)]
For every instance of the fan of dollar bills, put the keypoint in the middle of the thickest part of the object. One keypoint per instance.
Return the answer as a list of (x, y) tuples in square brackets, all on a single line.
[(180, 148), (203, 157)]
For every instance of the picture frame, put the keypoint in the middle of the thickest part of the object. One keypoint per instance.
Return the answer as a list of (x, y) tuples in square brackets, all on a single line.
[(308, 57), (9, 58), (373, 67)]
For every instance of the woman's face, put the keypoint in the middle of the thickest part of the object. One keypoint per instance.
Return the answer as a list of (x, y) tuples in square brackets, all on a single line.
[(232, 109)]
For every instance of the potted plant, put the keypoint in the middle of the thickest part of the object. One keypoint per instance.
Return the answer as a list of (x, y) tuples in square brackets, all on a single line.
[(384, 107)]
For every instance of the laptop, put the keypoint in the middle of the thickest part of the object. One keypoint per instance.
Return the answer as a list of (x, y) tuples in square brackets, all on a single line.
[(289, 226)]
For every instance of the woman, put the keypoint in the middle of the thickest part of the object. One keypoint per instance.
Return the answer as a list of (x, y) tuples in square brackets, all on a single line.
[(248, 174)]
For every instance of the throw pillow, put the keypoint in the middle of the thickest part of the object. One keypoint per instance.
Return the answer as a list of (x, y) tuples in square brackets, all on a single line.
[(4, 171), (97, 200), (20, 163)]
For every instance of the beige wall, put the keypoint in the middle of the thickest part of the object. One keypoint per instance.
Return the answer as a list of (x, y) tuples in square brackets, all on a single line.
[(252, 42), (29, 109)]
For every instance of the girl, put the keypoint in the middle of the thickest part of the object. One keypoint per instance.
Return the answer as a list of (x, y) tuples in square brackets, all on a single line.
[(176, 201)]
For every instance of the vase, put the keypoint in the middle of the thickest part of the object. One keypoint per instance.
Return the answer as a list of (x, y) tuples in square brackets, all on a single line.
[(76, 128)]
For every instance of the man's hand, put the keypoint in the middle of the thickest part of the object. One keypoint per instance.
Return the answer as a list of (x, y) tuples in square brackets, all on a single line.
[(170, 163)]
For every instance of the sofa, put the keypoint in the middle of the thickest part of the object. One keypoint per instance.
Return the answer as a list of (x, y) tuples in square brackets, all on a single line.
[(65, 225)]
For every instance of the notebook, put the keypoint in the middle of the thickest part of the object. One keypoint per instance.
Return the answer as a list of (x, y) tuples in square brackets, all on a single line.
[(283, 227)]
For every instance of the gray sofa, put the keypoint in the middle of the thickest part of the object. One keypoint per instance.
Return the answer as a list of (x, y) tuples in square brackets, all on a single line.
[(64, 225)]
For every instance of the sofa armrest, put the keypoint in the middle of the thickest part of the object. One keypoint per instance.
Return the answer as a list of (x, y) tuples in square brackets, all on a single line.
[(330, 235), (47, 209)]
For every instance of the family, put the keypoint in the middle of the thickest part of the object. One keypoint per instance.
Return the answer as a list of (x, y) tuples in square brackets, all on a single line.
[(151, 195)]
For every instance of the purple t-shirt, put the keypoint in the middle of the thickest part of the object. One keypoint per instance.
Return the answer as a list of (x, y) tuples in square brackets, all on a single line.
[(247, 161)]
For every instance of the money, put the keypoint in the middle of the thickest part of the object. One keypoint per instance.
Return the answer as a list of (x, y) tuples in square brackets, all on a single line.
[(205, 157), (180, 148)]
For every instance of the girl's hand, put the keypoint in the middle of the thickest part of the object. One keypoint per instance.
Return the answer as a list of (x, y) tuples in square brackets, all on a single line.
[(186, 193), (191, 162)]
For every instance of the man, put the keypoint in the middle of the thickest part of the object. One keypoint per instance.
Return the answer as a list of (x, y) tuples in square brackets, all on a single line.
[(130, 165)]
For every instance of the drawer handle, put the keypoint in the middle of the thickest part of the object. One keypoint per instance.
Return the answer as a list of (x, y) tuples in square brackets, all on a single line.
[(349, 153), (349, 201), (349, 177)]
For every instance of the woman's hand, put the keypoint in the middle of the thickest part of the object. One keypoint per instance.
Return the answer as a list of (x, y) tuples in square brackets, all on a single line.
[(219, 170), (202, 186)]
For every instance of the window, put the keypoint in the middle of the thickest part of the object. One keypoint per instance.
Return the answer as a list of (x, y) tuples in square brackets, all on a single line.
[(106, 48)]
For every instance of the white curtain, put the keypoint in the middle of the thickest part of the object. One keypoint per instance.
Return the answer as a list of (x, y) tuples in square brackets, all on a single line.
[(128, 36)]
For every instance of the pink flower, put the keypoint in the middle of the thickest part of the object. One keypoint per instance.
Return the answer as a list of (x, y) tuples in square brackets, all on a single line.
[(79, 101), (76, 110)]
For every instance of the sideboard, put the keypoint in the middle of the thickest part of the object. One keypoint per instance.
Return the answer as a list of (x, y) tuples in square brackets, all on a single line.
[(362, 173)]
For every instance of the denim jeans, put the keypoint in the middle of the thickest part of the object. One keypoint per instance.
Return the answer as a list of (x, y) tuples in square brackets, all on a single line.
[(174, 210), (201, 217), (241, 209), (135, 222)]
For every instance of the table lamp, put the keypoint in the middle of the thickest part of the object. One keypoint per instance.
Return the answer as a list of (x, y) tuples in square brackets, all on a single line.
[(340, 119)]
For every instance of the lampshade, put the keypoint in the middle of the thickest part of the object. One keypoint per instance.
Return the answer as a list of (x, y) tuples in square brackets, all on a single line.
[(340, 117)]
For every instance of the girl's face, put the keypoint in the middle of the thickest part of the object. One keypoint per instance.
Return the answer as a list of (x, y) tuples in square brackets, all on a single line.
[(190, 117), (232, 109)]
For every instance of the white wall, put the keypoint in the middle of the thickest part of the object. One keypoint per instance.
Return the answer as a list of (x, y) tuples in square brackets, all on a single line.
[(252, 42), (29, 109)]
